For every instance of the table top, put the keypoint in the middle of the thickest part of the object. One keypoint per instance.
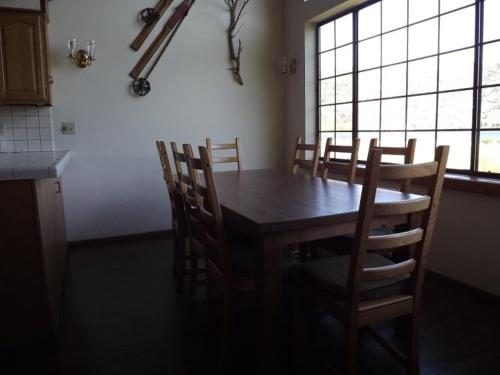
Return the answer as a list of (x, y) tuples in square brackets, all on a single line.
[(33, 165), (265, 201)]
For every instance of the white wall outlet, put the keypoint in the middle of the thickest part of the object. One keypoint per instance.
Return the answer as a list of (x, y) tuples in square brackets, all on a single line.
[(68, 128), (2, 129)]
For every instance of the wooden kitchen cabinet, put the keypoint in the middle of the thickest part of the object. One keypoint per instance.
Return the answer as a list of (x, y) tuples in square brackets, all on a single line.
[(24, 72), (32, 261)]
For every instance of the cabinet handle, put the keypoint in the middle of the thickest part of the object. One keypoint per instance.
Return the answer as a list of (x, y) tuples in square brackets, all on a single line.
[(59, 190)]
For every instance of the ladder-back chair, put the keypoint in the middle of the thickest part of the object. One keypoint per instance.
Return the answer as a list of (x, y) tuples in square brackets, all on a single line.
[(211, 147), (333, 166), (366, 288), (221, 255), (299, 157), (178, 217), (185, 191)]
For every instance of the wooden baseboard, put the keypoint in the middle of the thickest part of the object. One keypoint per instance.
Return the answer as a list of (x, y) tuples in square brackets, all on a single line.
[(167, 234)]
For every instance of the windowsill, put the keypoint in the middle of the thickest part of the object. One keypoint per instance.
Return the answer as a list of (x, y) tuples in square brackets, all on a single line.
[(472, 184), (460, 182)]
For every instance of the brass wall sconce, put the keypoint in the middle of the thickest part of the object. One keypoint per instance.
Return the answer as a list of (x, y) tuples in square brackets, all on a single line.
[(82, 58), (287, 69)]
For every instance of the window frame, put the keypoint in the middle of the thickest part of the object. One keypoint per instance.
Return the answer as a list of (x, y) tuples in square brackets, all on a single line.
[(477, 84)]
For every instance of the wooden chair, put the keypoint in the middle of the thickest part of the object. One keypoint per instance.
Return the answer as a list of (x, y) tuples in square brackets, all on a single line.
[(299, 157), (349, 169), (229, 264), (178, 217), (184, 190), (367, 288), (407, 152), (225, 146)]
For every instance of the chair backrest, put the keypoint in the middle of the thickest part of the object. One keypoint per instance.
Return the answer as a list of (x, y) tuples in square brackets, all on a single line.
[(299, 156), (183, 186), (211, 147), (165, 166), (407, 152), (209, 223), (178, 215), (349, 168), (419, 236)]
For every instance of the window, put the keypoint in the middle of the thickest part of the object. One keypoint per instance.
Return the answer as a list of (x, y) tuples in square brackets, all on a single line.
[(425, 69)]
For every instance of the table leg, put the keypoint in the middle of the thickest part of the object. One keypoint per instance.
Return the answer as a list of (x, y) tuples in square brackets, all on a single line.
[(269, 300)]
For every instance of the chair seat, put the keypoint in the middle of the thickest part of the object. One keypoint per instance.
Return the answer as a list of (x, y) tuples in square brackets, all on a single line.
[(331, 274)]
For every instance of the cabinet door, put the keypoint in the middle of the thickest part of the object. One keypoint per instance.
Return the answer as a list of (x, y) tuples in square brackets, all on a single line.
[(23, 58), (53, 239)]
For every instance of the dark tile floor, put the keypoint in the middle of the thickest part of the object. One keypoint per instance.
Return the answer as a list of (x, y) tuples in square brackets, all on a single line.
[(122, 316)]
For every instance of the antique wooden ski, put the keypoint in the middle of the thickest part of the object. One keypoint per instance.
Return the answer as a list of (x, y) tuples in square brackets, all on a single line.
[(177, 17), (141, 86), (151, 17)]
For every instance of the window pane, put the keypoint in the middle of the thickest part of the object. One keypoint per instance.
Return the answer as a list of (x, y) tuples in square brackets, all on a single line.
[(460, 148), (369, 85), (369, 21), (344, 59), (328, 118), (491, 24), (422, 112), (393, 14), (394, 47), (422, 9), (489, 151), (456, 70), (369, 115), (455, 110), (394, 81), (490, 109), (426, 146), (393, 114), (344, 30), (423, 39), (327, 36), (327, 64), (422, 76), (344, 117), (491, 64), (458, 29), (328, 91), (343, 139), (447, 5), (393, 139), (344, 88), (369, 53), (365, 138)]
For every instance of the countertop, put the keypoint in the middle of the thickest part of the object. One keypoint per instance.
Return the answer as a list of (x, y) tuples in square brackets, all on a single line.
[(33, 165)]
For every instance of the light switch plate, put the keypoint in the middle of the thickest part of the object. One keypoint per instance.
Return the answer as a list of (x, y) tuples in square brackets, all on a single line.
[(68, 128)]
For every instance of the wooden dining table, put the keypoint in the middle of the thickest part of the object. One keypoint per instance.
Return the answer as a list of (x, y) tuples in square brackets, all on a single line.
[(277, 208)]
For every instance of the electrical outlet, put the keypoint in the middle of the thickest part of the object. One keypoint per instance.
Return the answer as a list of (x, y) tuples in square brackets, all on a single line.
[(68, 128), (2, 129)]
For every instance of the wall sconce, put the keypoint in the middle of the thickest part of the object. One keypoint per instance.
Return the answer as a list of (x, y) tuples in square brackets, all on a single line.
[(285, 69), (82, 57)]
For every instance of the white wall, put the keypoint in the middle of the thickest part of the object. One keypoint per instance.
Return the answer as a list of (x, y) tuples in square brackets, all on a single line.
[(466, 246), (113, 185)]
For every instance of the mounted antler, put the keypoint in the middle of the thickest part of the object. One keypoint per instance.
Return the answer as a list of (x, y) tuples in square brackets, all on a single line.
[(236, 12)]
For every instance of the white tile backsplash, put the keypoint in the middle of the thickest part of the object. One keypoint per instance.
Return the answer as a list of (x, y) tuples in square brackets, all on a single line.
[(27, 128)]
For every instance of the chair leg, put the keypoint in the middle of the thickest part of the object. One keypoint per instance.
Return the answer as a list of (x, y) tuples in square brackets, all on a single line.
[(227, 334), (193, 273), (179, 262), (413, 351), (301, 324), (351, 348)]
